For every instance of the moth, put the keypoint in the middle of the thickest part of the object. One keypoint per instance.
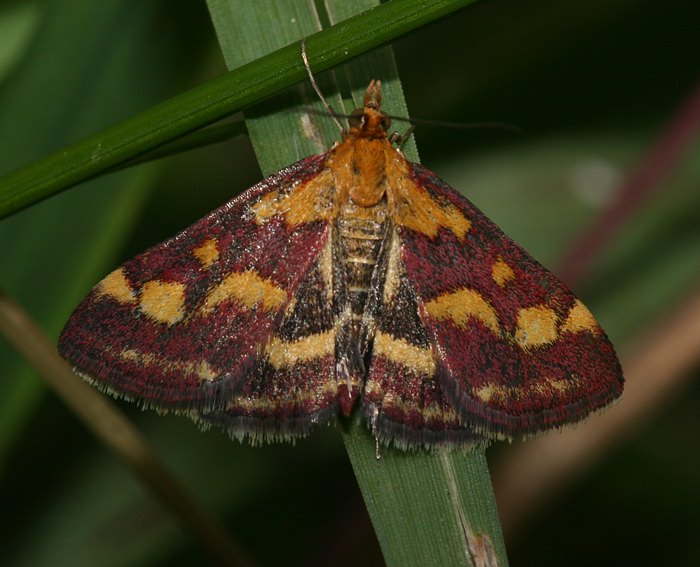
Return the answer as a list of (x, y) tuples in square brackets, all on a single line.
[(353, 280)]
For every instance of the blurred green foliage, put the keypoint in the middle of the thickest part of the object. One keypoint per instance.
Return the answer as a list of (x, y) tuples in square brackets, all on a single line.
[(590, 83)]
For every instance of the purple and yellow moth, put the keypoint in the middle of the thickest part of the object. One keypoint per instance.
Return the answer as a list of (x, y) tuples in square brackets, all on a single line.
[(353, 279)]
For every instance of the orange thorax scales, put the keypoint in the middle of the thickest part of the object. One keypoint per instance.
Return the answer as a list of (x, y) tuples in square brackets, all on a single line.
[(364, 171)]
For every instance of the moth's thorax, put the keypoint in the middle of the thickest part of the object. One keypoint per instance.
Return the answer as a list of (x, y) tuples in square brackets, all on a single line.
[(363, 168)]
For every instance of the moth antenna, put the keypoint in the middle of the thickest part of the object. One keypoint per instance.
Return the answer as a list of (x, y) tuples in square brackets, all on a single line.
[(305, 59), (457, 125)]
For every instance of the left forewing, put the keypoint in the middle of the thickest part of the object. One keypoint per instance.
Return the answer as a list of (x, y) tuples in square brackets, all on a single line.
[(184, 324)]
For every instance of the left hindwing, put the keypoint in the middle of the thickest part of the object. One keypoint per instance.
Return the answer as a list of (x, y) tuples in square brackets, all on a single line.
[(516, 352)]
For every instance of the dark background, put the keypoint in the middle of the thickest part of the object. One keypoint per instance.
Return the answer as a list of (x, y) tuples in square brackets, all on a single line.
[(592, 84)]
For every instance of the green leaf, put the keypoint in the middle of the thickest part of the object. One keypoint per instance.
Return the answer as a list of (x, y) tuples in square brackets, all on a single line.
[(427, 508), (18, 24), (39, 246), (74, 75)]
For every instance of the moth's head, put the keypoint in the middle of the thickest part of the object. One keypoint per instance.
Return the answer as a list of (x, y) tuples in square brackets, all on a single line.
[(370, 121)]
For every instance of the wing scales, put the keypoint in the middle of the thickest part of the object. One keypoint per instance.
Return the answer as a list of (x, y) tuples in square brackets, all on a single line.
[(516, 352), (182, 325)]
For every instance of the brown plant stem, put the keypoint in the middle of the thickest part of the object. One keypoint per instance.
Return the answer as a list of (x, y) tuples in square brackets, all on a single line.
[(656, 368), (642, 181), (115, 431)]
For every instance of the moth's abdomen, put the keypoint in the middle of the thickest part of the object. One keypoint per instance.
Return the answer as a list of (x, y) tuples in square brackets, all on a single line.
[(360, 231)]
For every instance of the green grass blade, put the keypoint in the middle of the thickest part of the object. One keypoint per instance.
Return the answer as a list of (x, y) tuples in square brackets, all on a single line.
[(427, 509)]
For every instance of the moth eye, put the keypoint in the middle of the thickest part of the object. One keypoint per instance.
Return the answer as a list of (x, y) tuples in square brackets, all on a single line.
[(357, 118), (385, 122)]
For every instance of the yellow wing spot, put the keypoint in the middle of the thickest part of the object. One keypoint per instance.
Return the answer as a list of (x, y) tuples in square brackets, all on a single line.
[(412, 207), (116, 286), (462, 305), (490, 392), (562, 385), (202, 369), (163, 301), (429, 413), (498, 393), (284, 354), (501, 272), (207, 253), (404, 353), (579, 319), (436, 411), (205, 371), (247, 288), (456, 221), (310, 201), (536, 326), (268, 206), (298, 397), (137, 356)]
